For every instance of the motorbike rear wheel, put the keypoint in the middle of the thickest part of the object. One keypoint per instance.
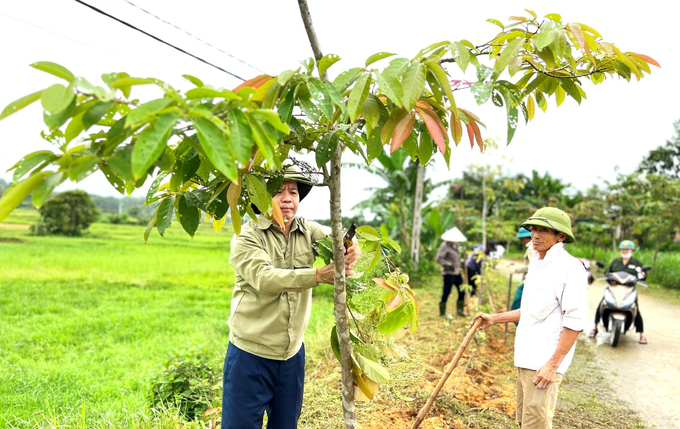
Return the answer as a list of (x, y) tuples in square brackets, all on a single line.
[(617, 327)]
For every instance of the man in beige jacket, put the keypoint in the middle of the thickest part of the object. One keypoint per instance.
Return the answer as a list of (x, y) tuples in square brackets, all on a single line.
[(270, 308)]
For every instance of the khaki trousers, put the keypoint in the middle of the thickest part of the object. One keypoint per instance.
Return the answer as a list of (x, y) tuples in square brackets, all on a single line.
[(535, 407)]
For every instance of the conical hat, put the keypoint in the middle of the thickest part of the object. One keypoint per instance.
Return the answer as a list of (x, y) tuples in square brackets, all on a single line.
[(453, 235)]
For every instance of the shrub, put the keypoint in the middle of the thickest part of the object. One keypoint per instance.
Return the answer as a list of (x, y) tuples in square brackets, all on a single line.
[(69, 213), (190, 381)]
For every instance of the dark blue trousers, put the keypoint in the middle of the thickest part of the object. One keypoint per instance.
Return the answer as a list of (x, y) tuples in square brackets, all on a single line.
[(253, 385)]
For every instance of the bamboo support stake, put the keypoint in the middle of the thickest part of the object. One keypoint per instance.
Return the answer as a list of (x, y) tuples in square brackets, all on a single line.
[(423, 411)]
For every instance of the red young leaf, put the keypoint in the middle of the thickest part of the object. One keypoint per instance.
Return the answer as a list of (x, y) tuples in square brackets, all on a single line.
[(383, 283), (471, 134), (650, 60), (478, 135), (255, 82), (394, 302), (402, 131), (434, 127)]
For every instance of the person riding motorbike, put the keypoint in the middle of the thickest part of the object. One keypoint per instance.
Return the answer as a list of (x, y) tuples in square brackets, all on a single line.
[(630, 265)]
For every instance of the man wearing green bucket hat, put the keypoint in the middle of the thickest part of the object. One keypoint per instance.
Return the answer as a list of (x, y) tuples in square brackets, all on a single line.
[(270, 309), (552, 313)]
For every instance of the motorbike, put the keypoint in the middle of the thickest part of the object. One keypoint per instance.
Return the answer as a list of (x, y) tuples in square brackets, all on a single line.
[(586, 265), (618, 309)]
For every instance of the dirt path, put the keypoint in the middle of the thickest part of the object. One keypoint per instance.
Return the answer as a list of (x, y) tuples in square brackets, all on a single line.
[(647, 377)]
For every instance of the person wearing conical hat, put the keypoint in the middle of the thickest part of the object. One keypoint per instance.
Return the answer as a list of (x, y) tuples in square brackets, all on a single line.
[(552, 313), (270, 309)]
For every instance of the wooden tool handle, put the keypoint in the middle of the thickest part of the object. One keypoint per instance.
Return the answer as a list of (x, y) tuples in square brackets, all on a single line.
[(423, 411)]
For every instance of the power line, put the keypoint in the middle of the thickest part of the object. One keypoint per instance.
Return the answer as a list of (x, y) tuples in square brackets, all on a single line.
[(158, 39), (57, 34), (195, 37)]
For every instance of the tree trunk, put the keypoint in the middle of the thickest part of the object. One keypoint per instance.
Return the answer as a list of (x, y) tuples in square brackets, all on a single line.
[(417, 216), (340, 294), (656, 253), (480, 292)]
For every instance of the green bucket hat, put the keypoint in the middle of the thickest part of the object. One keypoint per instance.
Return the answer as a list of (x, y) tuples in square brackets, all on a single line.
[(553, 218), (292, 173)]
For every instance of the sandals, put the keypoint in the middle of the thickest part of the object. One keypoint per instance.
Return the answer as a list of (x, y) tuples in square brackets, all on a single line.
[(643, 340), (593, 333)]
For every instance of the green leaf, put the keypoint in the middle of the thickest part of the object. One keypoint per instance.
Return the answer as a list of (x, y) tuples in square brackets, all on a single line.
[(391, 243), (335, 343), (82, 167), (154, 187), (150, 225), (257, 192), (215, 146), (74, 127), (483, 88), (371, 110), (496, 22), (325, 63), (56, 98), (512, 112), (397, 68), (145, 112), (377, 57), (28, 162), (44, 189), (509, 53), (151, 142), (188, 213), (321, 96), (120, 163), (326, 148), (286, 107), (463, 58), (56, 121), (285, 76), (374, 145), (571, 89), (240, 142), (196, 81), (272, 117), (19, 104), (413, 83), (443, 79), (190, 165), (546, 36), (310, 109), (411, 146), (54, 69), (395, 319), (131, 81), (18, 192), (345, 79), (391, 87), (425, 148), (358, 96), (203, 92), (164, 214), (95, 113), (264, 137), (366, 232), (373, 369)]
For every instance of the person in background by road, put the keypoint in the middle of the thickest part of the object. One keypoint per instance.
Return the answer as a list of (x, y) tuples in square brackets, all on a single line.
[(553, 312), (270, 308), (474, 265), (448, 256), (630, 265), (525, 236)]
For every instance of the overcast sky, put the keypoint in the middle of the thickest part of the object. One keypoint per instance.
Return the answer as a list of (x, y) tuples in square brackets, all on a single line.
[(616, 126)]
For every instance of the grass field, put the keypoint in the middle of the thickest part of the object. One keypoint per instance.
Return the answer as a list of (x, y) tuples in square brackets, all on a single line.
[(86, 322)]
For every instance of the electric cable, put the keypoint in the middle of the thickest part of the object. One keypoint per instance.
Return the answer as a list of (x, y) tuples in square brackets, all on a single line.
[(195, 37), (127, 24)]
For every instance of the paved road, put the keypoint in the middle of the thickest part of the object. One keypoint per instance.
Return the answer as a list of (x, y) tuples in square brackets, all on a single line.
[(645, 376)]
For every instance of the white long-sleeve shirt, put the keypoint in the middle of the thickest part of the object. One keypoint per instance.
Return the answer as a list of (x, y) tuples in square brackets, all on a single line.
[(555, 297)]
